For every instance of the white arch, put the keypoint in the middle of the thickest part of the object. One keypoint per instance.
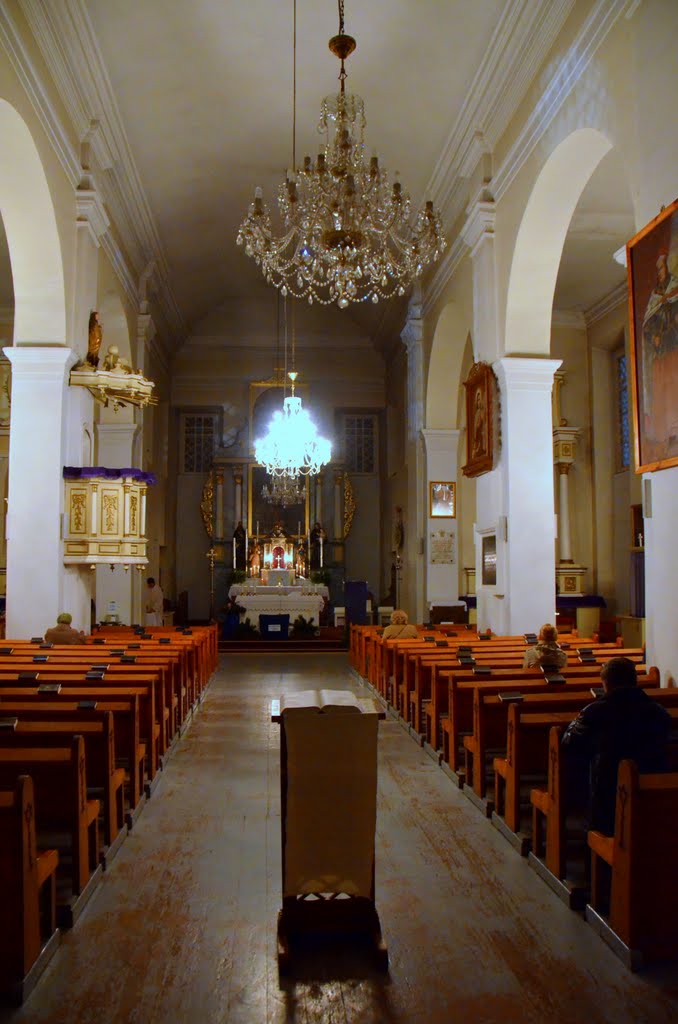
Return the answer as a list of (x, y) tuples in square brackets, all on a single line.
[(444, 369), (540, 240), (33, 239)]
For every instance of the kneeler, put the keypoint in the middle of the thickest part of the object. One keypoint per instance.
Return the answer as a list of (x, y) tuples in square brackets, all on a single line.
[(328, 779)]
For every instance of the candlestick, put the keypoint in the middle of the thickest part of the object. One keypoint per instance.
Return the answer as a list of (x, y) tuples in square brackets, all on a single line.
[(321, 552), (257, 527), (299, 527), (234, 565)]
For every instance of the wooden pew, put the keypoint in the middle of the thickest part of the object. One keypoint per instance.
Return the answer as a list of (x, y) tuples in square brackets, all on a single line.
[(490, 721), (527, 742), (97, 730), (61, 804), (130, 752), (149, 726), (27, 888), (642, 855)]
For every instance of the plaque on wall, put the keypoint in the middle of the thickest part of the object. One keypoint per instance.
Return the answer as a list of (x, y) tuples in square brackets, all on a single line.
[(489, 560), (442, 547)]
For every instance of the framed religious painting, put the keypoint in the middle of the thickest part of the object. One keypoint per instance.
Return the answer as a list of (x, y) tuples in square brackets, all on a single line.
[(652, 262), (482, 432), (442, 499)]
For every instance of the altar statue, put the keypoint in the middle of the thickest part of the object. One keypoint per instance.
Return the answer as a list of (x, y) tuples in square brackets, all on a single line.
[(114, 362), (94, 337), (318, 538), (255, 560), (239, 542)]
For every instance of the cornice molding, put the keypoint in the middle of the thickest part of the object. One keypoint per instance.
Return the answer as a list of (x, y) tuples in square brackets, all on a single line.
[(490, 112), (591, 35), (524, 34), (71, 52), (568, 318), (615, 298), (91, 213), (479, 224)]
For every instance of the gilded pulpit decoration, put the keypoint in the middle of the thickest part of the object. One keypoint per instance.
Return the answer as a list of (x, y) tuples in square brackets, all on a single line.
[(117, 382), (109, 504), (105, 521), (207, 505), (482, 420), (78, 511), (349, 505)]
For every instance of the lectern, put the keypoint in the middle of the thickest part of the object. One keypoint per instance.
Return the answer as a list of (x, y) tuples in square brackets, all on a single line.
[(328, 780)]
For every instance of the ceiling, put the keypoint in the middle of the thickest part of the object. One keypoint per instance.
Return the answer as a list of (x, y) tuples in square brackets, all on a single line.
[(204, 90), (204, 96)]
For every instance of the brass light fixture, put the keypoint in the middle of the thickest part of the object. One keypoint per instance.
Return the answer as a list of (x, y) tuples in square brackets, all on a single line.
[(348, 233)]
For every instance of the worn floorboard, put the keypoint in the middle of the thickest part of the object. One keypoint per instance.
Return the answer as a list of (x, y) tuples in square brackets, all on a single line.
[(183, 927)]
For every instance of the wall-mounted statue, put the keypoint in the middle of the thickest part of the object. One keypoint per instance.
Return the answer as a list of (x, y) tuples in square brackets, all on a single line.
[(95, 335)]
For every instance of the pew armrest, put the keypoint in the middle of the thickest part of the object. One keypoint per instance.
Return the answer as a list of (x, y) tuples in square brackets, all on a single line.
[(602, 846)]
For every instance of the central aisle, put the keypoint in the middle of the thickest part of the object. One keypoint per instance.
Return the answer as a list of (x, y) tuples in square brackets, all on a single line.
[(183, 927)]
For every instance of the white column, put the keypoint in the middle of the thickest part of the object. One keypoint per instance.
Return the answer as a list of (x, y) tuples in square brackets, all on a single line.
[(319, 498), (525, 535), (114, 447), (413, 570), (338, 506), (442, 580), (564, 513), (35, 569), (237, 500)]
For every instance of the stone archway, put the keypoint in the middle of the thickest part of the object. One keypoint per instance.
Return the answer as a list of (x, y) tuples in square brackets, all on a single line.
[(541, 237), (32, 236)]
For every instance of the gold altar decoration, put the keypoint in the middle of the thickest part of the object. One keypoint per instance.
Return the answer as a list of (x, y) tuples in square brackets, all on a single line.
[(105, 521), (349, 505), (207, 506)]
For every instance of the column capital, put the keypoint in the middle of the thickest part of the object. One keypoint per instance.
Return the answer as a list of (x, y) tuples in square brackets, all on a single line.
[(90, 213), (526, 374), (40, 362), (118, 430), (440, 440), (479, 224)]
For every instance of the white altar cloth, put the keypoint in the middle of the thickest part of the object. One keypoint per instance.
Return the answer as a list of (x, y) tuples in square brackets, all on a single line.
[(277, 603), (258, 589)]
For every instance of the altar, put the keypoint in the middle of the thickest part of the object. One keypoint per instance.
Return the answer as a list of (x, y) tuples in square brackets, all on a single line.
[(300, 598)]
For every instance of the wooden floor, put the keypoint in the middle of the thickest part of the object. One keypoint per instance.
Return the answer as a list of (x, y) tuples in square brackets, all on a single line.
[(182, 929)]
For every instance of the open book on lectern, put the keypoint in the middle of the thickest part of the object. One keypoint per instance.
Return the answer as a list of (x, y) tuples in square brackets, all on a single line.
[(322, 702)]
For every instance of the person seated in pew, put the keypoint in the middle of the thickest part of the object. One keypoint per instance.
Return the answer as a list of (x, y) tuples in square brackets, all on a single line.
[(547, 651), (622, 724), (399, 628), (63, 632)]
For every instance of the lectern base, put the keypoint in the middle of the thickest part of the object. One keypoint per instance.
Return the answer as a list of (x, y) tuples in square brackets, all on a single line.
[(312, 920)]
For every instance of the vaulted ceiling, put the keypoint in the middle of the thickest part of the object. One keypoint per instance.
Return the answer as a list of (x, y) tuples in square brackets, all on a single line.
[(194, 107)]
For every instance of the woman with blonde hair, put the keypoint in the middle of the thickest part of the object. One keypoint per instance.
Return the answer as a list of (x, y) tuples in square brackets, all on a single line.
[(399, 628), (547, 651)]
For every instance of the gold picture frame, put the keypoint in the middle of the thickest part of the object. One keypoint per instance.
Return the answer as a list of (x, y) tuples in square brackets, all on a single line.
[(481, 420), (652, 266), (442, 499)]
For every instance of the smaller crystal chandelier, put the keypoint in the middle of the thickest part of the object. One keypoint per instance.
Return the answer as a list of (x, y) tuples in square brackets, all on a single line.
[(284, 492), (292, 446), (348, 232)]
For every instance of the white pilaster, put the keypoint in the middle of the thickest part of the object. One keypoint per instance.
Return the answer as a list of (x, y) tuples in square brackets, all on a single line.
[(338, 522), (564, 513), (442, 580), (237, 499), (35, 570), (413, 570), (524, 595)]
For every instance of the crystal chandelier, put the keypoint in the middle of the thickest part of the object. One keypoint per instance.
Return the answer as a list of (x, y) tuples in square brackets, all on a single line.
[(348, 234), (284, 492), (292, 446)]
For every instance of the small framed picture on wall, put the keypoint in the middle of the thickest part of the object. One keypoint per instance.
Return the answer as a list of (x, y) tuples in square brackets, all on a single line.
[(442, 499)]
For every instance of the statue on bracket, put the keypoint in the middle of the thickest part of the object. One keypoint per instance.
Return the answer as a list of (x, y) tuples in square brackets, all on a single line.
[(239, 547), (95, 335), (318, 538)]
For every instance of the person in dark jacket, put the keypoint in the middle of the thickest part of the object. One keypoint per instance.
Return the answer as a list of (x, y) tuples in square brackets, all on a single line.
[(623, 723)]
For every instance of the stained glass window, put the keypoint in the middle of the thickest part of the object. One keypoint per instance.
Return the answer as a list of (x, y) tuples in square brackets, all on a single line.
[(199, 433), (623, 432)]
